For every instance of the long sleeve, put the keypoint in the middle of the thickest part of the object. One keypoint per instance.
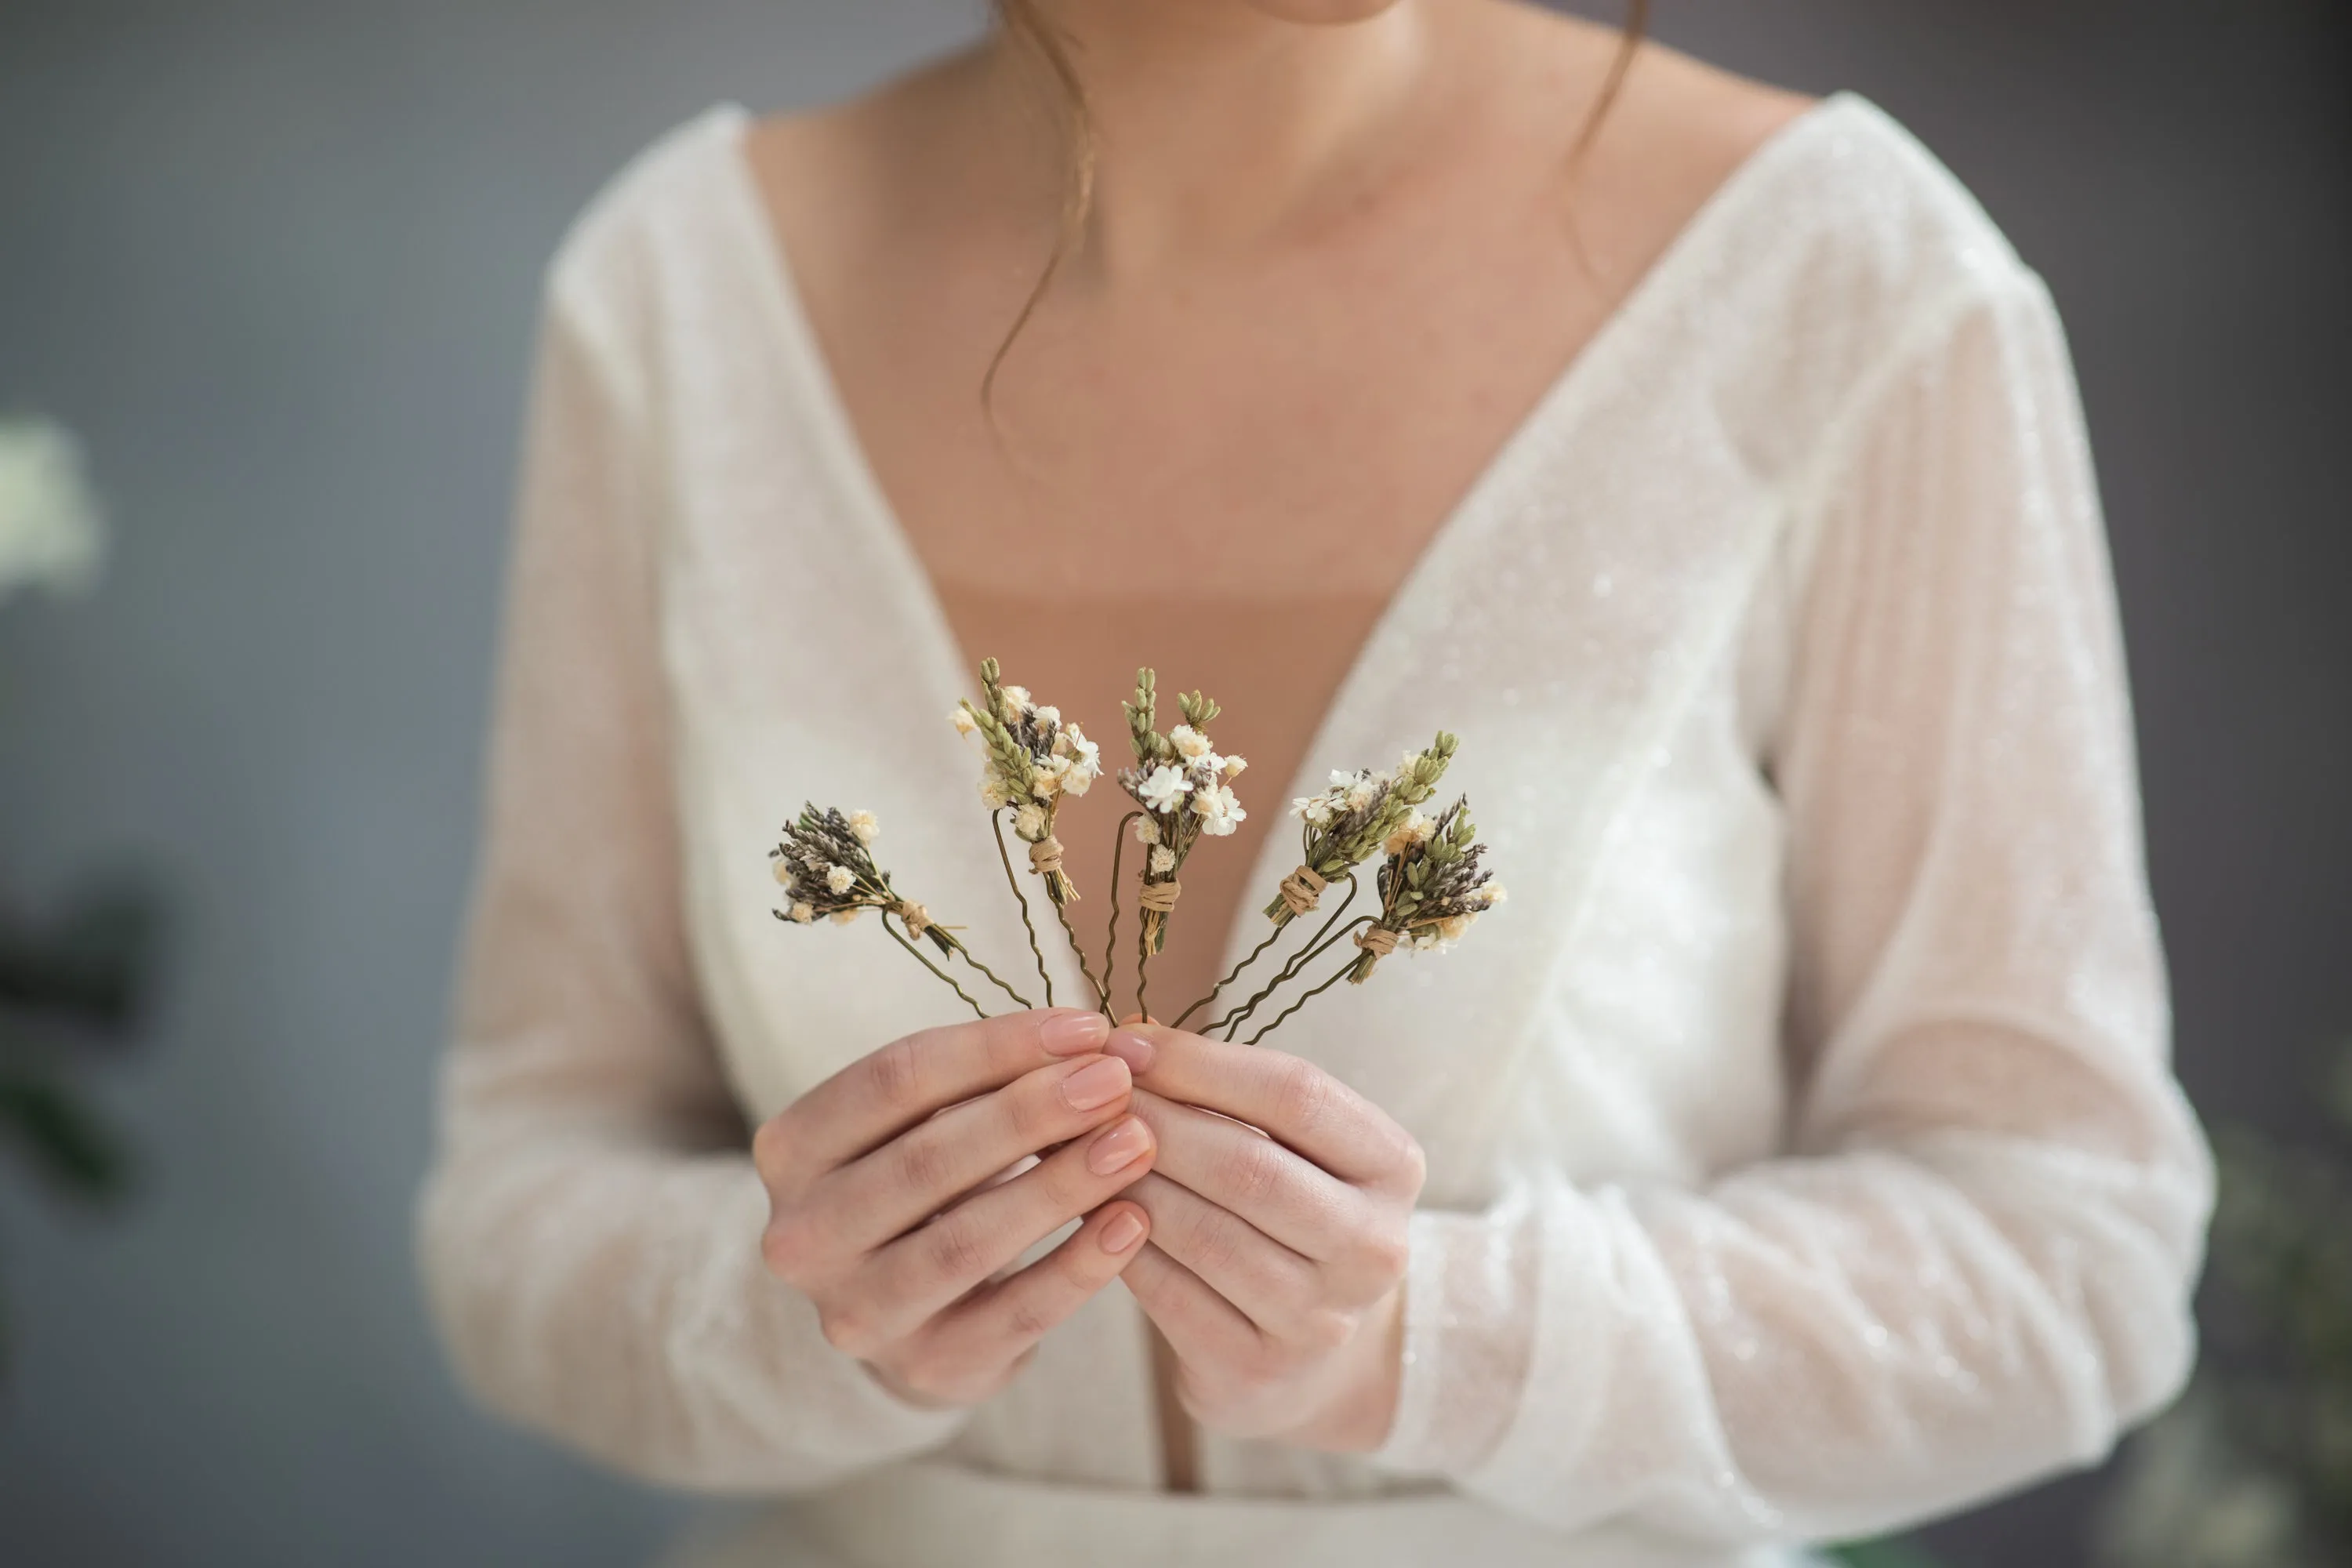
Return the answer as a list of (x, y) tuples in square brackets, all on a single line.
[(1972, 1264), (590, 1232)]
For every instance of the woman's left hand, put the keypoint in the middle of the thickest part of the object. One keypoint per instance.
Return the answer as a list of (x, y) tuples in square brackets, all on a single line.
[(1279, 1207)]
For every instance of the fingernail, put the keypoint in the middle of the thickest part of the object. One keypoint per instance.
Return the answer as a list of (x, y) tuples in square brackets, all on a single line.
[(1096, 1084), (1133, 1049), (1072, 1034), (1118, 1148), (1123, 1231)]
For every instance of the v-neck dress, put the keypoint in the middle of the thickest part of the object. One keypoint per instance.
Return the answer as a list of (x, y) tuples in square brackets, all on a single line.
[(1804, 1157)]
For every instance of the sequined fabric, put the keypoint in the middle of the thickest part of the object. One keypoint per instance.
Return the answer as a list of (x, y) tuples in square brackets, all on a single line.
[(1804, 1156)]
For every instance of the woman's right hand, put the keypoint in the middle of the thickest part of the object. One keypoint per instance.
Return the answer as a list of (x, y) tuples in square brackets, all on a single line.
[(887, 1208)]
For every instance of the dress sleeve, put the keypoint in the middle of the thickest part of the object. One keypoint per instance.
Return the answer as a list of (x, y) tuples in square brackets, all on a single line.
[(590, 1231), (1972, 1265)]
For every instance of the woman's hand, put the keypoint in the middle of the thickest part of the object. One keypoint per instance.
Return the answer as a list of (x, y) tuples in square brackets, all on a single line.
[(1277, 1257), (891, 1208)]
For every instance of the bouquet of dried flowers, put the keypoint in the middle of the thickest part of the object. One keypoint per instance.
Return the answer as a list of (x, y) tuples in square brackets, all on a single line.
[(1432, 883)]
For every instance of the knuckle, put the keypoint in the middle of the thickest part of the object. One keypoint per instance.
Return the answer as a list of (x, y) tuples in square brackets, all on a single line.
[(1302, 1094), (770, 1146), (1325, 1328), (893, 1075), (1412, 1165), (1034, 1109), (952, 1250), (1217, 1243), (921, 1158), (1027, 1317), (785, 1247), (1386, 1254), (1252, 1168)]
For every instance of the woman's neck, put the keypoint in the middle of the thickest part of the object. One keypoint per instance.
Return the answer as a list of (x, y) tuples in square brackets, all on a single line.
[(1214, 124)]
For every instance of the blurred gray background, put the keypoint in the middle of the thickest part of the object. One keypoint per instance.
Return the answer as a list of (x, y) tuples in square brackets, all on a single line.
[(277, 263)]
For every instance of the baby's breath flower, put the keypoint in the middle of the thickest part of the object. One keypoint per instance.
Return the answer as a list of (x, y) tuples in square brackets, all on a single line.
[(1188, 742), (783, 870), (1029, 823), (840, 879), (1045, 716), (1146, 830), (802, 913), (1164, 860), (846, 917), (993, 793), (963, 721), (1412, 830), (862, 822), (1017, 698)]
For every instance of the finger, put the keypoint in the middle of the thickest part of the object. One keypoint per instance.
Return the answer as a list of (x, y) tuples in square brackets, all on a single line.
[(924, 1169), (1238, 1168), (1202, 1327), (1004, 1321), (1274, 1287), (1292, 1098), (924, 1272), (882, 1094)]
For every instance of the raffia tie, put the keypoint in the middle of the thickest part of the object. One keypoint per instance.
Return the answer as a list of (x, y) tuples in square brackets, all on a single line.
[(916, 919), (1378, 940), (1302, 888), (1046, 856), (1160, 897)]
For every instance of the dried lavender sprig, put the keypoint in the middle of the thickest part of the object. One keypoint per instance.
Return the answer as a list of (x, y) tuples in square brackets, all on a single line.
[(1433, 887), (827, 869)]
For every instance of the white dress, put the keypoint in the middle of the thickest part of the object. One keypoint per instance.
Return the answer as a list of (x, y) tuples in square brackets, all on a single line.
[(1804, 1158)]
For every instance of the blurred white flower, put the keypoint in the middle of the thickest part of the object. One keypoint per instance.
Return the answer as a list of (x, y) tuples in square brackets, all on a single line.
[(1219, 812), (1188, 742), (51, 535), (1164, 860), (1163, 789), (862, 822), (1029, 823)]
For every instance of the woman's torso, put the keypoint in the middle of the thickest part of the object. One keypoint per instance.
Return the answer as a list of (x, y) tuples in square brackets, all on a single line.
[(1604, 616)]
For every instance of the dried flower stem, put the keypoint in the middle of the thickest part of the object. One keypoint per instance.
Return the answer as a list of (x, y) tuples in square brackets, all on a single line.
[(1111, 943), (978, 1010), (996, 826), (1258, 952)]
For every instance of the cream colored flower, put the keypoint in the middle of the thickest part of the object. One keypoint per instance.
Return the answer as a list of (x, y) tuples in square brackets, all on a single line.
[(963, 721), (1360, 793), (1146, 830), (843, 917), (1315, 810), (1235, 767), (1494, 893), (1163, 789), (862, 824), (1219, 812), (804, 912), (782, 866), (1086, 761), (1188, 742), (1016, 699), (1044, 785), (1029, 823), (1164, 860), (839, 879), (1046, 716), (1412, 832), (993, 792)]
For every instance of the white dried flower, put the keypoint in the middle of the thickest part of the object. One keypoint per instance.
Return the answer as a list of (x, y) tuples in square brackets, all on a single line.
[(1234, 766), (1315, 810), (1016, 699), (843, 917), (1086, 761), (963, 721), (51, 535), (1219, 812), (839, 879), (1164, 860), (781, 865), (1188, 742), (1342, 781), (1494, 893), (804, 912), (993, 792), (1163, 789), (1046, 715), (1146, 830), (862, 824), (1044, 785), (1360, 793), (1029, 823)]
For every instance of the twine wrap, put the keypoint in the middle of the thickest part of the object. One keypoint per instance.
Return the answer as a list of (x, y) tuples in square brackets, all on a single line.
[(1046, 856), (1302, 888), (913, 915), (1160, 898), (1378, 940)]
